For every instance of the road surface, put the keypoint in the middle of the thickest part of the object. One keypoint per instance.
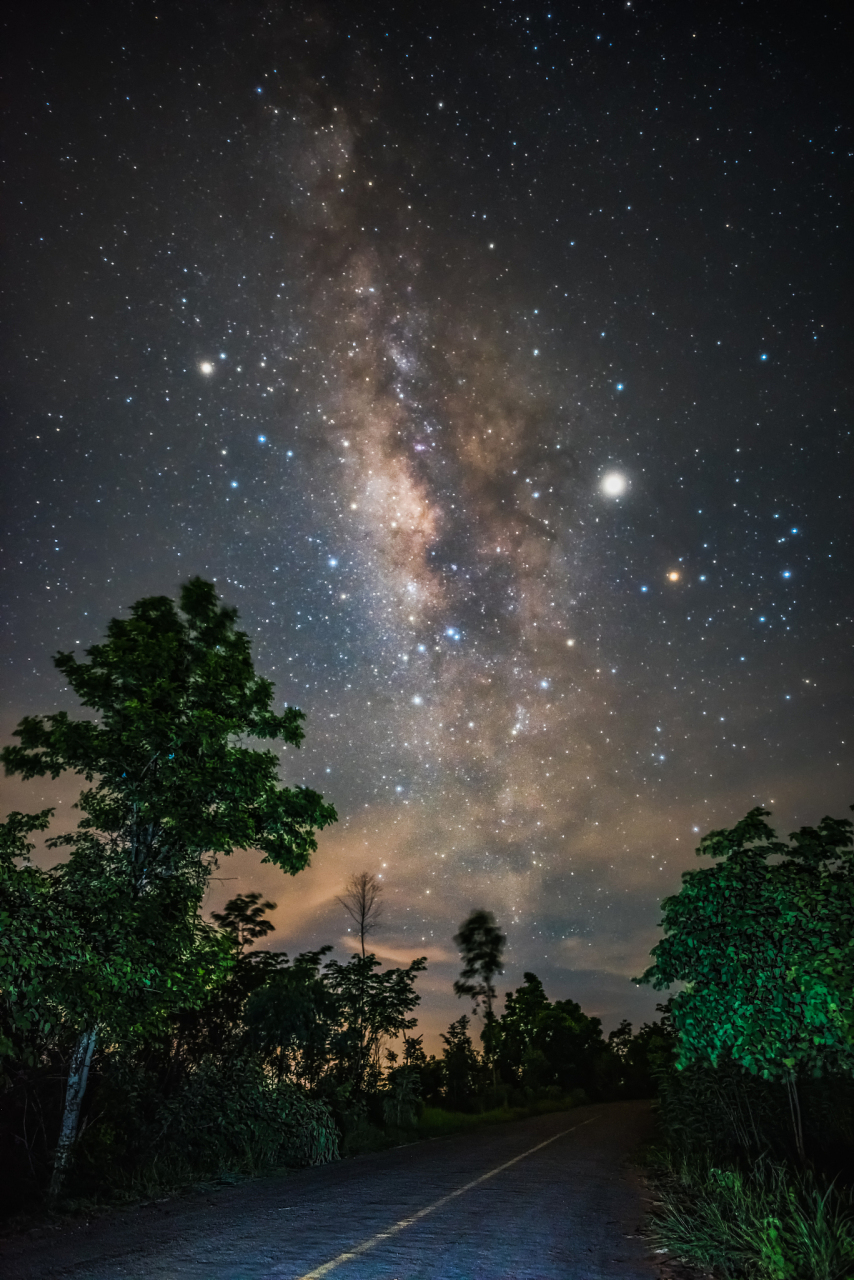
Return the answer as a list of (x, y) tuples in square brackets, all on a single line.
[(552, 1198)]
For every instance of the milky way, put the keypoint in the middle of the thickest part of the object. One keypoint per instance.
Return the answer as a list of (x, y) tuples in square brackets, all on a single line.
[(492, 365)]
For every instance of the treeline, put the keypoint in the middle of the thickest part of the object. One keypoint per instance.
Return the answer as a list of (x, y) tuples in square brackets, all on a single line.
[(289, 1061), (144, 1046), (537, 1051)]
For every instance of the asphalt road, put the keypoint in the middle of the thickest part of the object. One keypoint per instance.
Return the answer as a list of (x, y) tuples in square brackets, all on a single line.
[(553, 1198)]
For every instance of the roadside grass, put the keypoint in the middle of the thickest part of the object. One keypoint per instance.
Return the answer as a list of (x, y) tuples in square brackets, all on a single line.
[(763, 1222), (364, 1137), (436, 1122)]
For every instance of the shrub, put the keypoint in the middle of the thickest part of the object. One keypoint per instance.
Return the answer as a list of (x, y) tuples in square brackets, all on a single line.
[(221, 1120)]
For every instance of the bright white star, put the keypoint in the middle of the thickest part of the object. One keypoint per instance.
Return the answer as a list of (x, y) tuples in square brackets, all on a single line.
[(614, 483)]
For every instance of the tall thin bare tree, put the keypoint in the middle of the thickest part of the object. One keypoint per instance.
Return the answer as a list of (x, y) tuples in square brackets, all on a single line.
[(361, 901)]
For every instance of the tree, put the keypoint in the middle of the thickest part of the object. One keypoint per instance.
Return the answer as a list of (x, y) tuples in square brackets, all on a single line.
[(413, 1051), (216, 1027), (81, 953), (244, 918), (373, 1007), (765, 944), (172, 786), (481, 945), (361, 901), (291, 1017), (541, 1043), (460, 1062)]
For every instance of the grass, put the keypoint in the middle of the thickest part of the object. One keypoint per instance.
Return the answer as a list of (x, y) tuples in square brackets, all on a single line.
[(436, 1122), (763, 1222)]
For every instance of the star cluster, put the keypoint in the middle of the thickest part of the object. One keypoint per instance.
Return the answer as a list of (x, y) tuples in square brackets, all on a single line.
[(492, 364)]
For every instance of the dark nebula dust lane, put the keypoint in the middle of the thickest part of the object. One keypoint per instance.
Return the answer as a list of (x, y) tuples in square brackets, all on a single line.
[(492, 361)]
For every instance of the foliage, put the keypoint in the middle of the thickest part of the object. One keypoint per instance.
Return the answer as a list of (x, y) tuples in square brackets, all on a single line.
[(541, 1044), (762, 1221), (80, 949), (108, 946), (244, 918), (762, 1029), (320, 1025), (223, 1118), (640, 1057), (726, 1115), (112, 938), (373, 1007), (402, 1098), (175, 693), (291, 1017), (764, 942), (462, 1067)]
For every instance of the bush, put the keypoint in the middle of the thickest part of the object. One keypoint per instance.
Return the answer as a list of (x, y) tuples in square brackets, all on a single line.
[(220, 1121)]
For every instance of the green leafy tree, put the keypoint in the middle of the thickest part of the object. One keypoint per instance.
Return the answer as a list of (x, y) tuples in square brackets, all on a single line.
[(172, 785), (33, 928), (83, 952), (764, 942)]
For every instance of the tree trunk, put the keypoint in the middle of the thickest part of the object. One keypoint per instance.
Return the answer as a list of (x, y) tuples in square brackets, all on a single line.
[(489, 1028), (75, 1088), (797, 1125)]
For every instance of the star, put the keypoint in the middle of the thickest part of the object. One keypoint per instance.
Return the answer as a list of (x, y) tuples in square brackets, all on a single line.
[(613, 484)]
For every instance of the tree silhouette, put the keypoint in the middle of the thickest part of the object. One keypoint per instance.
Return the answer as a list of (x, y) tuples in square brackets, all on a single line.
[(481, 945), (361, 901)]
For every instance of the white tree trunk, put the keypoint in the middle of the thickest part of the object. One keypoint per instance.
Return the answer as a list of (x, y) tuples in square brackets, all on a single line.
[(78, 1075)]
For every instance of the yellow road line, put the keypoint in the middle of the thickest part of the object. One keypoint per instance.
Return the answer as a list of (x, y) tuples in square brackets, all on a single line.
[(397, 1227)]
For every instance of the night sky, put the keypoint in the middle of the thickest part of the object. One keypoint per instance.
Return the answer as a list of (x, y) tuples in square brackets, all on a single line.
[(491, 359)]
